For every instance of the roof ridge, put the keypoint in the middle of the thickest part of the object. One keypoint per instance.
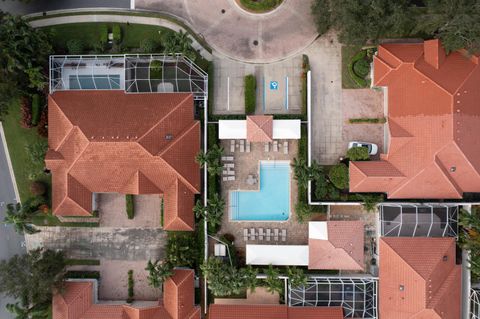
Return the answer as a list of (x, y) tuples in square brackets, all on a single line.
[(164, 117), (66, 117), (466, 158), (447, 176)]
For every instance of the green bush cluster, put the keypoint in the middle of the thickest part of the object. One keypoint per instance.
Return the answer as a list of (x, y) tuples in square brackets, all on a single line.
[(339, 176), (250, 93), (260, 5), (117, 33), (130, 206), (131, 284), (358, 154), (305, 69), (77, 274), (148, 45), (36, 109), (75, 46)]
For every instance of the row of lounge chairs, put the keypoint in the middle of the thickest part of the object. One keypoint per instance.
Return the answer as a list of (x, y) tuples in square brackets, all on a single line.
[(242, 145), (277, 147), (253, 234), (229, 169)]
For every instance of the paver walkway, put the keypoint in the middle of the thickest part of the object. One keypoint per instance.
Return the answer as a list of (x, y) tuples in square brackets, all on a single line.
[(243, 36), (101, 242)]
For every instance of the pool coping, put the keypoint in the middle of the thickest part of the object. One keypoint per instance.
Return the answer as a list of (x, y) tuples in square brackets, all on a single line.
[(259, 181)]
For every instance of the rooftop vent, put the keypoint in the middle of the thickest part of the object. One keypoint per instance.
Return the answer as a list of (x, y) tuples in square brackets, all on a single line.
[(169, 137), (453, 169), (401, 287), (445, 258)]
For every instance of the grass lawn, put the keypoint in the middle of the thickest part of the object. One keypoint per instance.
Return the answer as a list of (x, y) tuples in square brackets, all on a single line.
[(260, 5), (50, 220), (17, 137), (90, 33), (347, 53)]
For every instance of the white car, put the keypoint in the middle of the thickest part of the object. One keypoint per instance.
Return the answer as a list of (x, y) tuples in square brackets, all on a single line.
[(372, 148)]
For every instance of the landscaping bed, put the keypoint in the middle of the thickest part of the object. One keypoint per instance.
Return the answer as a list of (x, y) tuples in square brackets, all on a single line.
[(259, 6), (356, 67)]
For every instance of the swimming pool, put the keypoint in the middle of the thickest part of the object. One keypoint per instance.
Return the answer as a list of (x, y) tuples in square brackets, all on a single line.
[(92, 82), (272, 202)]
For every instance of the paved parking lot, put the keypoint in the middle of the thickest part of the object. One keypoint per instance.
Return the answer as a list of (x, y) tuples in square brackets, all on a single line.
[(278, 86)]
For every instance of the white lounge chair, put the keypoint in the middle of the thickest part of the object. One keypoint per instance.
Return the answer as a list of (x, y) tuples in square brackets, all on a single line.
[(260, 234), (229, 165), (285, 147), (252, 234), (284, 235), (231, 178), (225, 178), (231, 172), (245, 234), (247, 147), (232, 146), (275, 234), (225, 172), (242, 146), (275, 146), (229, 158), (267, 147), (269, 234)]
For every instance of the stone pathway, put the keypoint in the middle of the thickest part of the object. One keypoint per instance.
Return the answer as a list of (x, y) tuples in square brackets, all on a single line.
[(101, 242), (243, 36)]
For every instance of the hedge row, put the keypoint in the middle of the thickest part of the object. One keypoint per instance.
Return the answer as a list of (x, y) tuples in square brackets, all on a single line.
[(250, 93), (130, 206), (36, 109), (305, 69), (380, 120), (131, 285)]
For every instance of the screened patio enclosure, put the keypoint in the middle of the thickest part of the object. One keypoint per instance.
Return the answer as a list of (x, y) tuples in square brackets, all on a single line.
[(357, 296), (412, 220), (474, 304), (133, 73)]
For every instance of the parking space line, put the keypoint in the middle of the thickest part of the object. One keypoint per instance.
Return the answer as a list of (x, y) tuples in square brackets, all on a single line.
[(286, 93), (264, 93), (228, 93)]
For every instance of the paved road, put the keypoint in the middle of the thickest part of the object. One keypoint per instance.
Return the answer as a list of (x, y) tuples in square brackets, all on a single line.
[(10, 242), (244, 36), (101, 242), (17, 7)]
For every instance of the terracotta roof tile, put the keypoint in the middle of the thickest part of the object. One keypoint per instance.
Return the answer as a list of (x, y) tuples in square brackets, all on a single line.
[(433, 122), (259, 128), (342, 250), (315, 313), (419, 278), (224, 311), (109, 141)]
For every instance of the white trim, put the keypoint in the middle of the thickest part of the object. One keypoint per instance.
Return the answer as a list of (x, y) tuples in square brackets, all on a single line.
[(9, 163), (132, 4)]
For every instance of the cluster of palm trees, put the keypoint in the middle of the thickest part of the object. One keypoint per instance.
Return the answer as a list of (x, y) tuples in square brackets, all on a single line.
[(179, 42), (20, 216), (211, 158)]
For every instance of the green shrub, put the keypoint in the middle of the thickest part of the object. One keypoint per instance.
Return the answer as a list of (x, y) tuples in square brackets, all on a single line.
[(36, 151), (161, 212), (250, 94), (131, 284), (38, 188), (260, 6), (361, 82), (361, 68), (36, 109), (379, 120), (148, 45), (103, 30), (82, 262), (117, 33), (130, 206), (303, 211), (210, 88), (358, 154), (305, 68), (338, 175), (156, 70), (75, 46), (75, 274)]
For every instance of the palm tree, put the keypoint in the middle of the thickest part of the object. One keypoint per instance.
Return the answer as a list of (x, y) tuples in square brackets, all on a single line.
[(296, 276), (158, 272), (19, 216), (301, 172), (274, 284), (201, 158), (249, 275), (18, 311), (215, 209), (199, 209)]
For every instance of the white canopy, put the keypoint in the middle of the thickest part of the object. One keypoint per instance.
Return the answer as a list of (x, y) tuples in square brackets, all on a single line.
[(237, 129), (279, 255), (318, 230)]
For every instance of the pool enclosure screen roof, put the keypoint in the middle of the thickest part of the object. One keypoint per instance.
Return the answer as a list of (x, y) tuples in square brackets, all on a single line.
[(279, 255), (237, 129), (133, 73), (411, 220), (356, 295), (474, 304)]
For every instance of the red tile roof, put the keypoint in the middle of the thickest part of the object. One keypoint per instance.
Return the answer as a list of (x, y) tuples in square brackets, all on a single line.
[(76, 302), (342, 250), (224, 311), (419, 278), (259, 128), (110, 141), (433, 119)]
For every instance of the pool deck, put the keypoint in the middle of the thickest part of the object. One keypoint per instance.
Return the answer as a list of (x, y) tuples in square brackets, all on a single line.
[(249, 163)]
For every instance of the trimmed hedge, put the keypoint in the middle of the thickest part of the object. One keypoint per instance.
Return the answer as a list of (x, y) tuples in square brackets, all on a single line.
[(338, 175), (360, 120), (36, 109), (130, 206), (250, 93), (131, 284), (211, 87), (213, 180), (305, 68), (74, 274), (361, 82)]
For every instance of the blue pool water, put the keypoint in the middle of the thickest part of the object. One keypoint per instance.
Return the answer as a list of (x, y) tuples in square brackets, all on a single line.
[(92, 82), (272, 202)]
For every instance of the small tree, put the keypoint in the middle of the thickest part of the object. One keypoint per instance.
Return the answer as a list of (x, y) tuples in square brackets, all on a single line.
[(302, 211), (249, 274), (358, 154), (212, 159), (20, 216), (339, 176), (301, 172), (274, 284), (213, 212), (158, 272), (38, 188), (370, 202), (181, 250), (296, 276), (223, 280)]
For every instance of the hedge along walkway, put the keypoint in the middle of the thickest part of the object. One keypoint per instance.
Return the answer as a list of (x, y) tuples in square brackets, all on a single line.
[(118, 18)]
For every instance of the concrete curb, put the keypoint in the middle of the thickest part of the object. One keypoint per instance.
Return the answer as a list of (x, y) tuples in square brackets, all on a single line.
[(9, 163)]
